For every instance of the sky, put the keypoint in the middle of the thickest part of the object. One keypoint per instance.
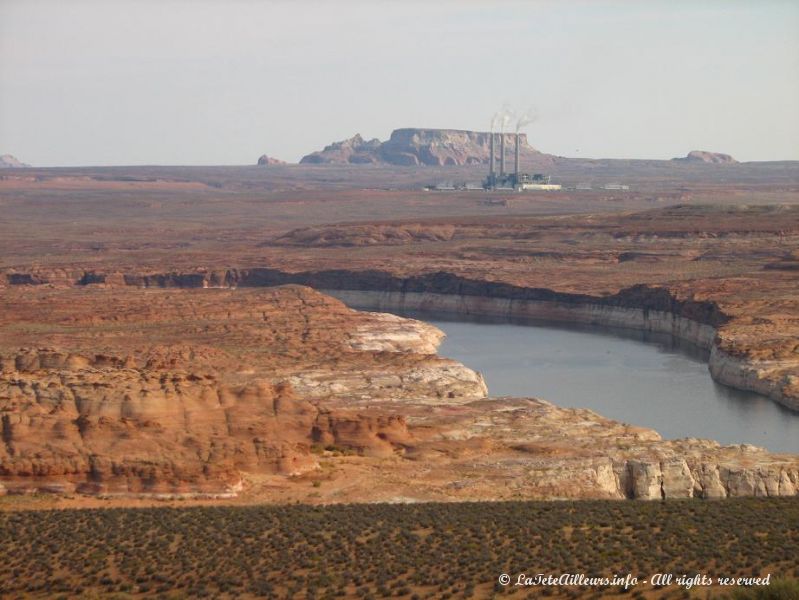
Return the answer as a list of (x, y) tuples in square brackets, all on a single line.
[(128, 82)]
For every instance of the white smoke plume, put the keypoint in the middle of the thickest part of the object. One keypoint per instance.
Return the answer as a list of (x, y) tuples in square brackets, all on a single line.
[(501, 119), (505, 116), (527, 117), (495, 118)]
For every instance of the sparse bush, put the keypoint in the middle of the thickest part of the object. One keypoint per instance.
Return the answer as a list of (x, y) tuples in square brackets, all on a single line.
[(429, 550)]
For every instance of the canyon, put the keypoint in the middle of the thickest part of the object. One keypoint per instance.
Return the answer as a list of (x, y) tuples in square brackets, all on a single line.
[(254, 393), (197, 352)]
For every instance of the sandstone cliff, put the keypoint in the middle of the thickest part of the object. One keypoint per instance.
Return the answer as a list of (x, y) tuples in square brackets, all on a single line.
[(435, 147), (746, 353), (183, 393), (73, 422), (354, 150), (451, 147), (219, 392), (527, 448)]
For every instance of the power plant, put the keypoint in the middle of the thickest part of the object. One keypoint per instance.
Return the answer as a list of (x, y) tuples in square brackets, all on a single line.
[(516, 180)]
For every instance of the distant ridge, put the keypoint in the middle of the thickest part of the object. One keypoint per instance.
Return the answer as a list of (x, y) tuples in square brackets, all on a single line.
[(265, 161), (432, 147), (703, 156)]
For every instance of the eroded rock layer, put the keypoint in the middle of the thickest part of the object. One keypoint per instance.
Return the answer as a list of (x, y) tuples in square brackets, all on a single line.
[(294, 397), (756, 354), (526, 448), (415, 146), (180, 392), (257, 392)]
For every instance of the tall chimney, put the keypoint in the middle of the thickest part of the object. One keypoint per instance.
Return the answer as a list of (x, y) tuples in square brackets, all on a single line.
[(491, 160), (516, 161), (502, 154)]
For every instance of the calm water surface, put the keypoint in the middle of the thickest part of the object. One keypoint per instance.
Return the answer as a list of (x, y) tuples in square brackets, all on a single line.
[(639, 378)]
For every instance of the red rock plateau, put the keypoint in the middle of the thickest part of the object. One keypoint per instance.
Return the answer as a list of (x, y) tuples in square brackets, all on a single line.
[(431, 147), (155, 340)]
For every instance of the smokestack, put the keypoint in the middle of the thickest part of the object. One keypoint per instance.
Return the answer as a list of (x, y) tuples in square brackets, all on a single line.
[(502, 154), (516, 160), (491, 160)]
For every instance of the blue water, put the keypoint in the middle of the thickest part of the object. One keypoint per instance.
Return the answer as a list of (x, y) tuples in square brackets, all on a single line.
[(634, 377)]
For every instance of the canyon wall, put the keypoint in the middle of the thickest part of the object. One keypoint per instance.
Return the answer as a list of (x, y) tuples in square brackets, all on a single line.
[(771, 378), (642, 307), (181, 392), (656, 321), (259, 391)]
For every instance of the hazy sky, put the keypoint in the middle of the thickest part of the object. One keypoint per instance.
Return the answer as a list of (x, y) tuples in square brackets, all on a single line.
[(188, 82)]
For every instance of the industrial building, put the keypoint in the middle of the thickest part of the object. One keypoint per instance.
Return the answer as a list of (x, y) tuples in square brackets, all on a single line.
[(512, 181)]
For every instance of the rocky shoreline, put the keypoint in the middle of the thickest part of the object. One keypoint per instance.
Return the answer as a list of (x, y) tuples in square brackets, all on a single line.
[(253, 393), (724, 368), (641, 307)]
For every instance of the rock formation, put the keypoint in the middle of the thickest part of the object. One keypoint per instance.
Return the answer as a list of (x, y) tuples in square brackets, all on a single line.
[(8, 161), (703, 156), (216, 392), (95, 424), (266, 161), (759, 356), (161, 358), (528, 448), (431, 147), (354, 150), (439, 147), (177, 393)]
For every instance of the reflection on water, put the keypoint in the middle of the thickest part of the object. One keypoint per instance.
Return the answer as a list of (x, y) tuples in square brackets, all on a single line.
[(637, 377)]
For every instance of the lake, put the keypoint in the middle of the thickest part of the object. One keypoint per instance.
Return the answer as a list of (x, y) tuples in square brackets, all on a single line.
[(636, 377)]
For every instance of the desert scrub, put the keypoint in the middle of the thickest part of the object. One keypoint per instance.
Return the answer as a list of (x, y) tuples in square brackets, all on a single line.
[(376, 550)]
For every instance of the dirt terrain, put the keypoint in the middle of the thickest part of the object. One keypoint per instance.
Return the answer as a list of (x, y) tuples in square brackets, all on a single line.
[(125, 371)]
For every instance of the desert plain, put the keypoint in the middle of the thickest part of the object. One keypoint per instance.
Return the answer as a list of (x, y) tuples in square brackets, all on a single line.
[(207, 365), (178, 333)]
